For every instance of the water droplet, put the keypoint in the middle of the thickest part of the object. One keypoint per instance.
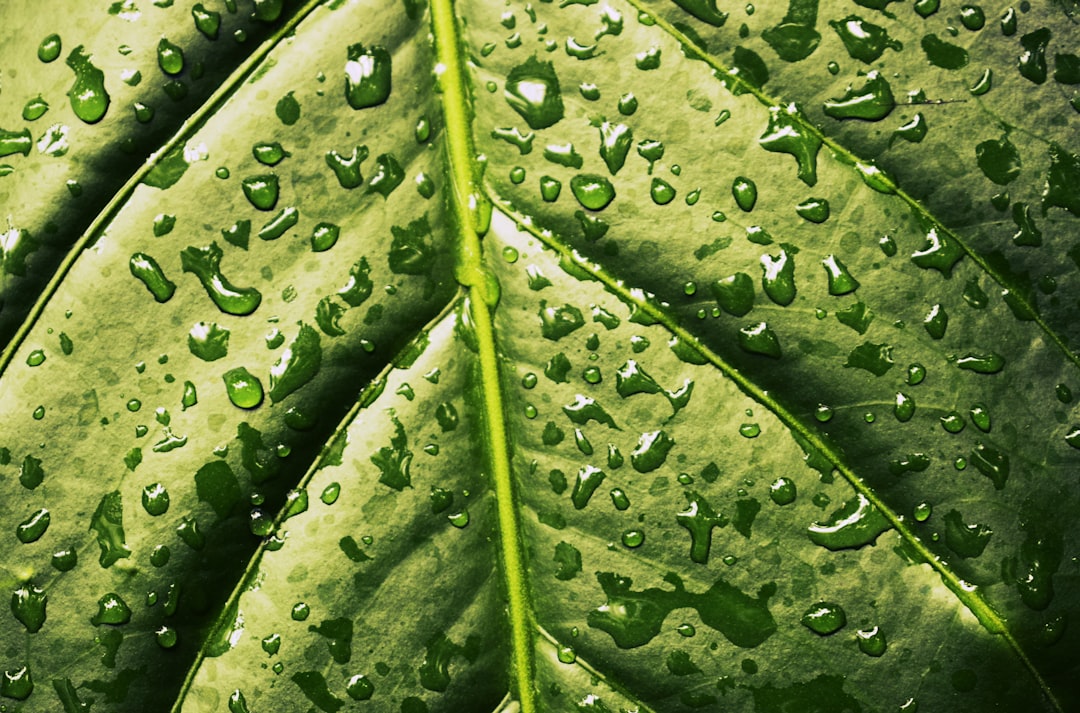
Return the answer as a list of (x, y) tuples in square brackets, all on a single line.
[(649, 59), (904, 408), (778, 275), (367, 76), (166, 637), (261, 191), (32, 528), (208, 341), (874, 358), (628, 104), (855, 524), (170, 57), (794, 38), (824, 618), (532, 90), (557, 322), (967, 541), (984, 84), (745, 192), (633, 618), (592, 191), (615, 142), (269, 153), (360, 687), (205, 263), (112, 610), (699, 519), (998, 160), (944, 54), (288, 109), (15, 142), (661, 191), (619, 499), (146, 269), (988, 363), (88, 97), (17, 684), (872, 101), (816, 210), (864, 40), (871, 641), (633, 538), (34, 109), (107, 522), (783, 491), (155, 499), (244, 390), (208, 22), (28, 604), (651, 451), (49, 49), (1032, 63), (759, 339), (841, 281)]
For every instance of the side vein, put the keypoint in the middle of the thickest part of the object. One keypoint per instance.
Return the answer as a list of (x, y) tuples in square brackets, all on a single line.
[(883, 182), (465, 198), (968, 595)]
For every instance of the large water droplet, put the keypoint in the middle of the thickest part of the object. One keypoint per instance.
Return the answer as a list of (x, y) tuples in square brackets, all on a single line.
[(367, 76), (170, 57), (532, 90), (32, 528), (147, 269), (872, 101), (112, 610), (49, 49), (261, 191), (88, 97), (205, 263), (244, 390), (855, 524), (28, 604)]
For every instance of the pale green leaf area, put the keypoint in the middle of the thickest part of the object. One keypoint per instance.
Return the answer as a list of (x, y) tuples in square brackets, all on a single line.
[(539, 356)]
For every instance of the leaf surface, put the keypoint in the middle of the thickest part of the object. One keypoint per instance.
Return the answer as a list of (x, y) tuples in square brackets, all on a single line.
[(618, 356)]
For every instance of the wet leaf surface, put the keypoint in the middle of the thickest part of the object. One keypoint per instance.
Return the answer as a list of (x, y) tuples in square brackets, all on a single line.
[(615, 356)]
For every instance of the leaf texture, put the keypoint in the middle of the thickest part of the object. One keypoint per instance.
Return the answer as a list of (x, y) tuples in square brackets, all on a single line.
[(615, 356)]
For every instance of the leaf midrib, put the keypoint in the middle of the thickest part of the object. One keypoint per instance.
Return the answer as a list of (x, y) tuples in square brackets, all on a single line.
[(466, 199), (462, 172)]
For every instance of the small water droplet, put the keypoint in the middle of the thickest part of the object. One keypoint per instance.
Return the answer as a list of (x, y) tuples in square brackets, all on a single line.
[(112, 610), (633, 538), (88, 97), (871, 641), (824, 618)]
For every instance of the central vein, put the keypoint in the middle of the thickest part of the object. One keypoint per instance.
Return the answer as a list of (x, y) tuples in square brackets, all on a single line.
[(470, 273)]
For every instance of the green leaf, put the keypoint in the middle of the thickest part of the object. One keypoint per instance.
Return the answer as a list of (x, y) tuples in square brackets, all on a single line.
[(774, 413)]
